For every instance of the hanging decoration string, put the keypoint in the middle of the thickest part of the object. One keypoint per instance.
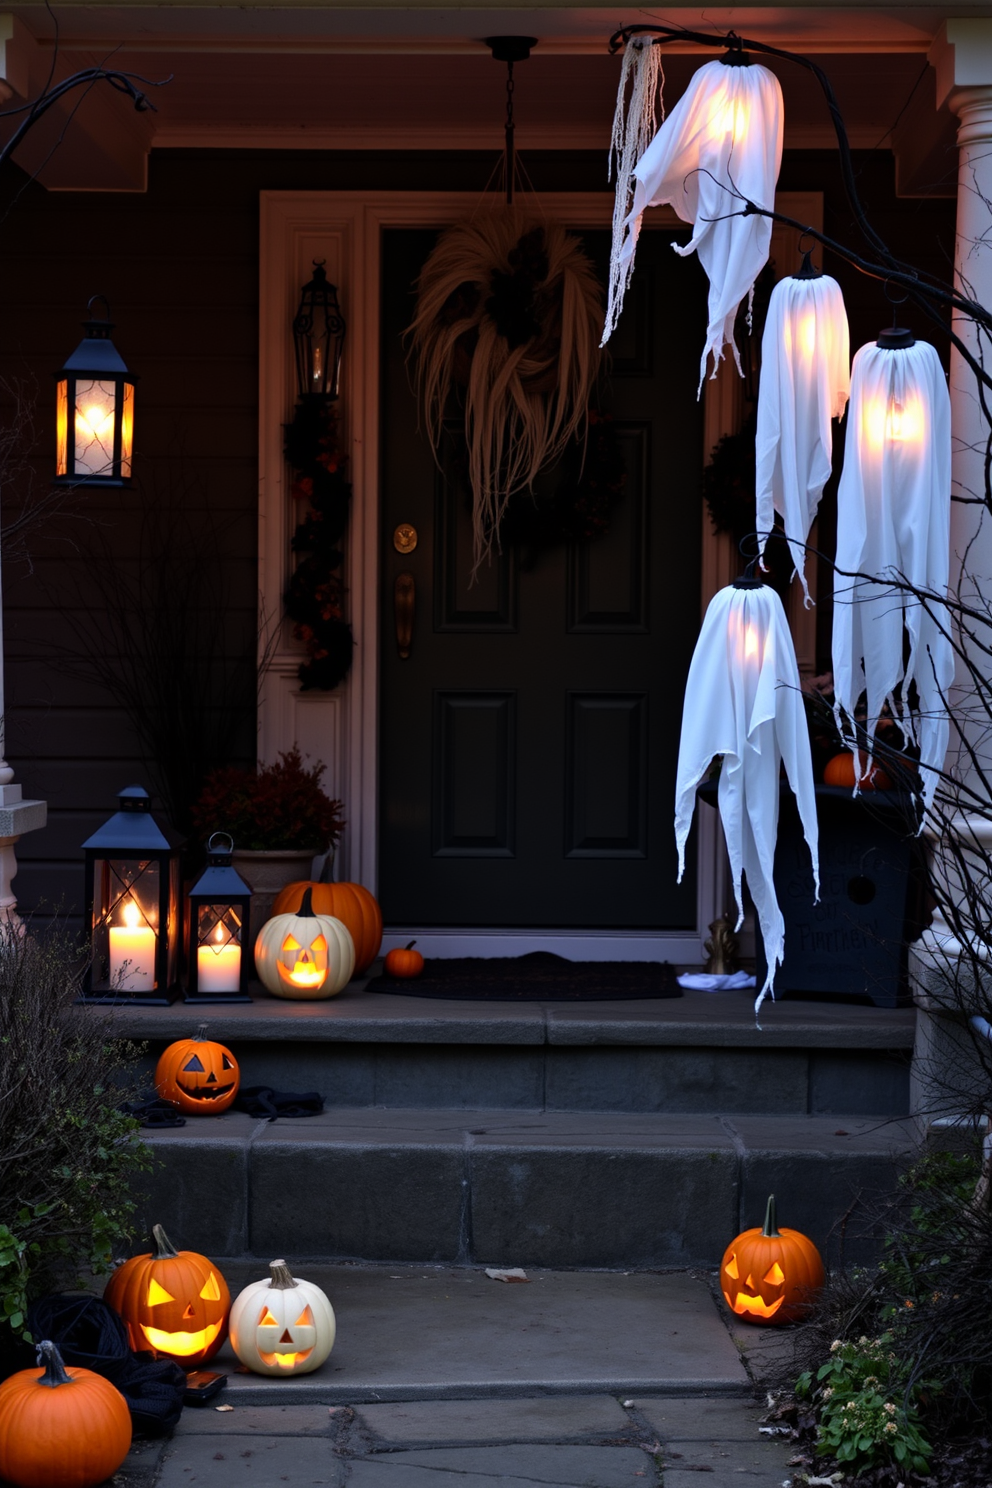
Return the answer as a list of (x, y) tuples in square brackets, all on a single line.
[(642, 82), (509, 163)]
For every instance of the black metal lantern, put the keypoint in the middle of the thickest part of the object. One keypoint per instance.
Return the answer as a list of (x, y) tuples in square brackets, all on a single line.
[(318, 335), (133, 906), (217, 952), (94, 415)]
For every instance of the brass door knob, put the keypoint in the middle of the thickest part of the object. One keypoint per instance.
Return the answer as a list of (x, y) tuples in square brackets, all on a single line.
[(404, 601), (405, 538)]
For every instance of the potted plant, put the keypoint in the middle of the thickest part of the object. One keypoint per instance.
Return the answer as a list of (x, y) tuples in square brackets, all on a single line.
[(279, 818)]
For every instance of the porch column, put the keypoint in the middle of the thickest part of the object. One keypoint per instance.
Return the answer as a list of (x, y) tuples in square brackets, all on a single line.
[(943, 1064)]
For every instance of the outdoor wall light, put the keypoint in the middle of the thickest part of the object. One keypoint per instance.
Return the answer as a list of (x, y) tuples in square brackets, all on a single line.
[(216, 923), (318, 335), (132, 906), (94, 410)]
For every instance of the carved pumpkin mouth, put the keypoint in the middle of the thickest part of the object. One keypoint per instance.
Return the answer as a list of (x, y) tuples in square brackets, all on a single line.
[(745, 1303), (205, 1092), (285, 1361), (181, 1343)]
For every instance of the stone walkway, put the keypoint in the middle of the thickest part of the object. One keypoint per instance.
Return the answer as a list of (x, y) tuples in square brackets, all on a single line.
[(577, 1380), (587, 1441)]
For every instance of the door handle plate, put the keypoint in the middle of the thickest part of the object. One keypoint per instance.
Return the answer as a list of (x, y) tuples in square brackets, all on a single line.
[(404, 604)]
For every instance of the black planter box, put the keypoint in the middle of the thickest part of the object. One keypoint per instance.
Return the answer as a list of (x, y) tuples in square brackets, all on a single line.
[(854, 942)]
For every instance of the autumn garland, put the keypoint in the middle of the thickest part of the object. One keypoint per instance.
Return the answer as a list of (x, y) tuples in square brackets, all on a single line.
[(315, 592)]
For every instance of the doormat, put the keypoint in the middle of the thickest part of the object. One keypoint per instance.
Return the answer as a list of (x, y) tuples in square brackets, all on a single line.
[(538, 977)]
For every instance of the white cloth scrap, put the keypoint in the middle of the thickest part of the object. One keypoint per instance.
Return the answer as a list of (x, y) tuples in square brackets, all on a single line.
[(805, 380), (893, 524), (742, 701), (706, 981), (722, 141)]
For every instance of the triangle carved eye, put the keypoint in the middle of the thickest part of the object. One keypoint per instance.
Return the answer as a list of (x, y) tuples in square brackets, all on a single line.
[(157, 1294), (731, 1267), (226, 1062), (267, 1320), (305, 1319), (210, 1291), (194, 1066), (775, 1274)]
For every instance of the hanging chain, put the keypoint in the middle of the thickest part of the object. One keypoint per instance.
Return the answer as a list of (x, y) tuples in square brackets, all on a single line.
[(508, 163)]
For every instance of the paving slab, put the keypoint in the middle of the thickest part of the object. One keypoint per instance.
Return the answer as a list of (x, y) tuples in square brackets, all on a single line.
[(505, 1467), (760, 1464), (479, 1421), (250, 1462), (259, 1420), (707, 1418), (418, 1333)]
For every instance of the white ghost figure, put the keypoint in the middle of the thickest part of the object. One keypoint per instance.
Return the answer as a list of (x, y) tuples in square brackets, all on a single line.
[(722, 141), (893, 526), (805, 379), (742, 701)]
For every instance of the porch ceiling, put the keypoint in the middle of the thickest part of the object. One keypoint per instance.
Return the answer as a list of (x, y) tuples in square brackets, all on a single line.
[(327, 76)]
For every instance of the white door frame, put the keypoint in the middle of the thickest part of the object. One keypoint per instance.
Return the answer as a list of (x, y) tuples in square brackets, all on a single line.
[(341, 727)]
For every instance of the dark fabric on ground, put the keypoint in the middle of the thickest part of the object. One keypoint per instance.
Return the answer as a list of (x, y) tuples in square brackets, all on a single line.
[(262, 1100), (539, 977), (90, 1335), (154, 1112)]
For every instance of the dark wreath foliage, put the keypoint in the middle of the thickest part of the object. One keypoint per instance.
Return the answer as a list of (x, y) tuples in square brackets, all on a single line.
[(315, 593)]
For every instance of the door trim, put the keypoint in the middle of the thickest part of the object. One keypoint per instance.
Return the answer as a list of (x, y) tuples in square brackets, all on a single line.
[(341, 727)]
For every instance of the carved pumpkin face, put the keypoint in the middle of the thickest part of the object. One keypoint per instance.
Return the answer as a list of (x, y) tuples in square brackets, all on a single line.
[(770, 1276), (198, 1075), (304, 955), (173, 1302), (283, 1325)]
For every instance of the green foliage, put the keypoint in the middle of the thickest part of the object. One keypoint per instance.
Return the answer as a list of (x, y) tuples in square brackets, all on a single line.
[(68, 1155), (866, 1408)]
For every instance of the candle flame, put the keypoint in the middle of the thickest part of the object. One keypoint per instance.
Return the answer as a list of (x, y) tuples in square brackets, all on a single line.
[(220, 935), (894, 422), (131, 915)]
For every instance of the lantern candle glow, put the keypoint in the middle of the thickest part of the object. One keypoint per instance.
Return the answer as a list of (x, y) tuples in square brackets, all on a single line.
[(132, 952), (218, 964), (218, 907), (94, 411)]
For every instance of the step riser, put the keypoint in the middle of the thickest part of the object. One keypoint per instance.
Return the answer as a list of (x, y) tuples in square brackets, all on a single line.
[(466, 1201), (851, 1082)]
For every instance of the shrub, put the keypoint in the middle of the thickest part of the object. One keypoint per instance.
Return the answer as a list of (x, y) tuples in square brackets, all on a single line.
[(67, 1153)]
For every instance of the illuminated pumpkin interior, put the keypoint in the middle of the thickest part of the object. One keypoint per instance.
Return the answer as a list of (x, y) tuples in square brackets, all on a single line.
[(281, 1355), (750, 1300), (182, 1342), (303, 966), (208, 1089)]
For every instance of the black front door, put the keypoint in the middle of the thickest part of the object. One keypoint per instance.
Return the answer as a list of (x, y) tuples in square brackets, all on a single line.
[(528, 741)]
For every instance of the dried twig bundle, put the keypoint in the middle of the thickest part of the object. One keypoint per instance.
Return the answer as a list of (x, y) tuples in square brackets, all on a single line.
[(510, 311)]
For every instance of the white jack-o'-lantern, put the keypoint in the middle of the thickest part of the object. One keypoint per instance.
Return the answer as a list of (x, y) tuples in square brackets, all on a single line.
[(283, 1325), (304, 955)]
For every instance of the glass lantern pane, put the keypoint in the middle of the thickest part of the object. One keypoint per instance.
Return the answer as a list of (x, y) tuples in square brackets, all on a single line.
[(125, 927), (218, 948), (96, 406), (174, 925), (127, 430), (62, 429)]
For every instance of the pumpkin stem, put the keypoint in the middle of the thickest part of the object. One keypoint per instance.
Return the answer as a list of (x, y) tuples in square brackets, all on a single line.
[(770, 1231), (305, 910), (282, 1277), (411, 945), (164, 1248), (55, 1371), (200, 1036)]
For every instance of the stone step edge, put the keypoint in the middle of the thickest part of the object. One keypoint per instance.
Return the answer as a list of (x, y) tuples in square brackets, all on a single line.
[(253, 1389)]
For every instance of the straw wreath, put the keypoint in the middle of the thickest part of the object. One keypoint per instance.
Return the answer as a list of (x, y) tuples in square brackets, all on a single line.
[(511, 312)]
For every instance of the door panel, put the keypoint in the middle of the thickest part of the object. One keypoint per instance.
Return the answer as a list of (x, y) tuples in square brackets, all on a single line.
[(528, 743)]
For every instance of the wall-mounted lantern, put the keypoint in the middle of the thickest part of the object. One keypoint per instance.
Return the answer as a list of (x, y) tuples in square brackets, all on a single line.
[(94, 415), (132, 906), (318, 335)]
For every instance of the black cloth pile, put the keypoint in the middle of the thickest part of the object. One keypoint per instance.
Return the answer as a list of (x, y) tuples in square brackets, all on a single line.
[(91, 1335)]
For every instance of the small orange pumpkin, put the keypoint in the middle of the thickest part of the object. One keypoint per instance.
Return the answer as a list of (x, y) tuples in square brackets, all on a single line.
[(174, 1302), (59, 1427), (404, 961), (198, 1075), (840, 771), (351, 903), (770, 1276)]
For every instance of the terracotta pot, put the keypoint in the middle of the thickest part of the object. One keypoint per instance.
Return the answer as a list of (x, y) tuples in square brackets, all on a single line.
[(266, 873)]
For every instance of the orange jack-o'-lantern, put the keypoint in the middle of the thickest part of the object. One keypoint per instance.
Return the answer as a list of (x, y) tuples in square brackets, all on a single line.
[(304, 955), (198, 1075), (770, 1276), (174, 1302), (283, 1325)]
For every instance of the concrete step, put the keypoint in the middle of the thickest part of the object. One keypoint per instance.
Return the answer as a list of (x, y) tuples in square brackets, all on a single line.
[(531, 1188), (692, 1055)]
